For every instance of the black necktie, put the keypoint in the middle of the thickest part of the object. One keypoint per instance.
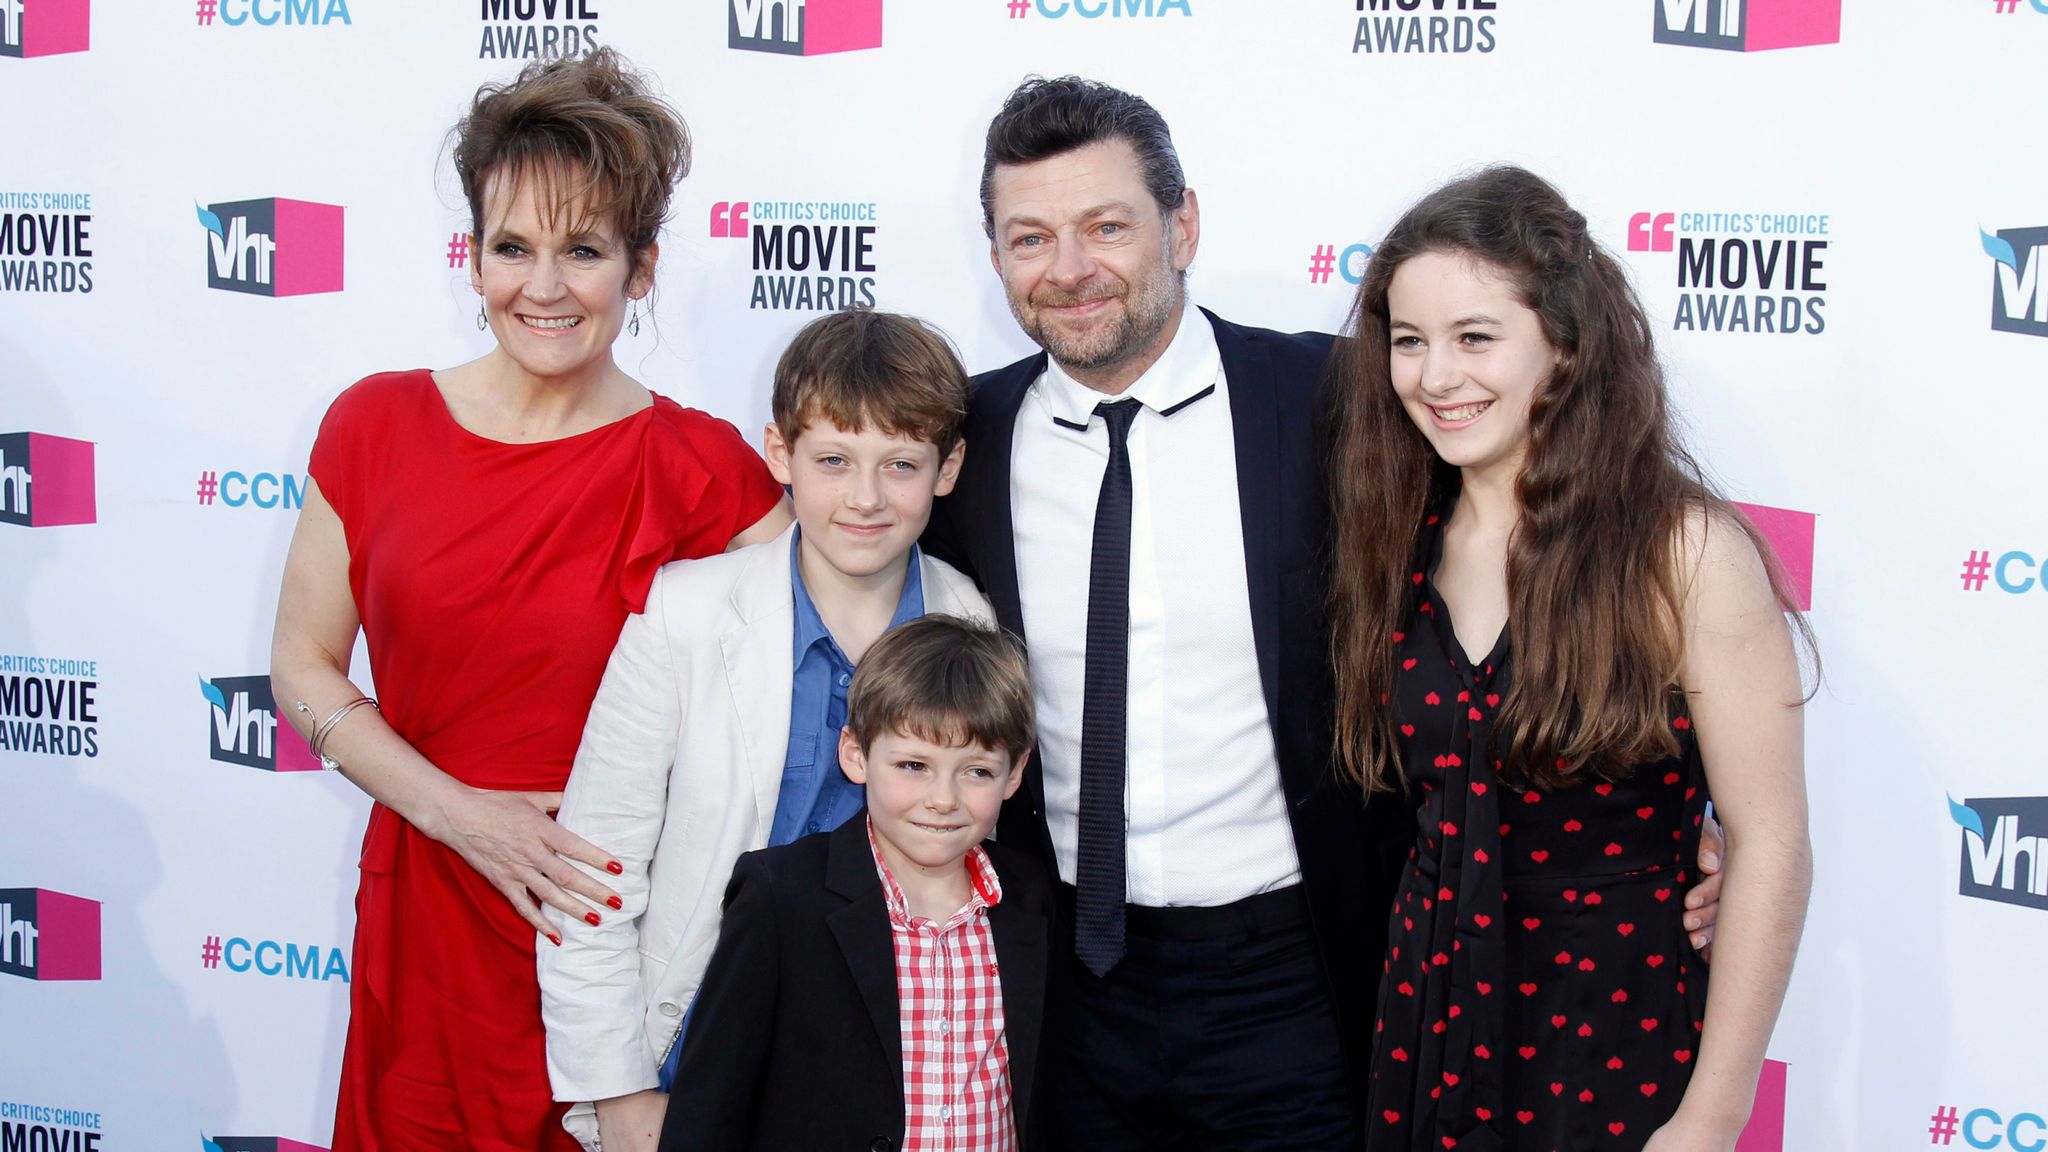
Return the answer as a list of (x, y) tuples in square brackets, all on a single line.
[(1099, 869)]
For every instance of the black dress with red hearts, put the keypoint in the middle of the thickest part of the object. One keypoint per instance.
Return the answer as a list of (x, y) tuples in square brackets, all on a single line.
[(1540, 992)]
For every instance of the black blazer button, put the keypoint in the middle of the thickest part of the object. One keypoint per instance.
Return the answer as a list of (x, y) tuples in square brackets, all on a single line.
[(881, 1144)]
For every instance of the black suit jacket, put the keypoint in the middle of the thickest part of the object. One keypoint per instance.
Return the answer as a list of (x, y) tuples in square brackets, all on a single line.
[(795, 1041), (1350, 851)]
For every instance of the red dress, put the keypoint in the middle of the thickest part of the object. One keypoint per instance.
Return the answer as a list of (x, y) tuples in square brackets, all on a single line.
[(492, 580)]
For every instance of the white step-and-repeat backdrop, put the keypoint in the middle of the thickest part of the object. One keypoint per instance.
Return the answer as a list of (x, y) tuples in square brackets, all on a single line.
[(1836, 210)]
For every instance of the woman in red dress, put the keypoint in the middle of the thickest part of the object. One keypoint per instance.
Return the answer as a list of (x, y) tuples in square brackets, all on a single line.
[(488, 527), (1554, 633)]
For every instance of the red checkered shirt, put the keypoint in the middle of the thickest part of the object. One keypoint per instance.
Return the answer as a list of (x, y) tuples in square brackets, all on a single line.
[(949, 997)]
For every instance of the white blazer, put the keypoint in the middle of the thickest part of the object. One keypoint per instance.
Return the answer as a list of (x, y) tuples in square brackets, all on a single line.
[(678, 773)]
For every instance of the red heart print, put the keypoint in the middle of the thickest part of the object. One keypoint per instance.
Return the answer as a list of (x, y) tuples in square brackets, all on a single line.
[(1557, 1021), (1614, 849), (1525, 1117), (1649, 1089), (1392, 1116), (1617, 1127), (1592, 899), (1528, 1051), (1625, 929), (1540, 855), (1572, 825), (1482, 919), (1479, 787), (1528, 989), (1682, 1055), (1649, 1024)]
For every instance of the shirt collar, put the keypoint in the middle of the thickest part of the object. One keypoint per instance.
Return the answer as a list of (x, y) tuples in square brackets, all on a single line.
[(810, 626), (1190, 365), (984, 889)]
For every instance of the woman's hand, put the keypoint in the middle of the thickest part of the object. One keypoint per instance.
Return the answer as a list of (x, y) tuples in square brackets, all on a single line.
[(509, 838), (631, 1123)]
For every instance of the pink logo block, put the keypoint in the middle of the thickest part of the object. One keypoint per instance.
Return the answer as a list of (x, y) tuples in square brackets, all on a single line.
[(309, 246), (293, 753), (46, 935), (842, 26), (1792, 24), (44, 27), (1791, 536), (46, 481), (1766, 1130)]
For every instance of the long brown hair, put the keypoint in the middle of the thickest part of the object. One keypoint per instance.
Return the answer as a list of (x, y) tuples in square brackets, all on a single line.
[(1605, 490)]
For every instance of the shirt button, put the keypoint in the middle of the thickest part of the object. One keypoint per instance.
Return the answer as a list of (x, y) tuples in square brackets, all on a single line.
[(844, 679), (945, 1025), (671, 1009), (945, 1113)]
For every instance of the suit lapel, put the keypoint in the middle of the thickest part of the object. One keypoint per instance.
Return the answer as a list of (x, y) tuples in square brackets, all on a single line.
[(1021, 952), (761, 672), (988, 456), (862, 929), (1255, 427)]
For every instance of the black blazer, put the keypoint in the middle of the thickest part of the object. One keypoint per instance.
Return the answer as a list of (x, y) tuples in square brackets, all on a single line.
[(795, 1041), (1351, 852)]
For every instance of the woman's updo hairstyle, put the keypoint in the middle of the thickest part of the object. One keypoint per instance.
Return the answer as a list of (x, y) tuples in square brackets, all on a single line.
[(591, 132)]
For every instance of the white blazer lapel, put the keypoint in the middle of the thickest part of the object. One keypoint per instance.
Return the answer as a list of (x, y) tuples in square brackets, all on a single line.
[(759, 671)]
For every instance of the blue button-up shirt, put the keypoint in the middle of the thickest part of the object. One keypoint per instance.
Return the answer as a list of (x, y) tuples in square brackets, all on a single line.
[(816, 796)]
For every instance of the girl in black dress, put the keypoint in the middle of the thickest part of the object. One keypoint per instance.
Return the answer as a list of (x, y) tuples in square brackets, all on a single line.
[(1553, 634)]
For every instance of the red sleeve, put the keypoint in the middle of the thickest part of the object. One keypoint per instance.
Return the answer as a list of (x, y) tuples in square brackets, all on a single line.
[(354, 435), (701, 486), (741, 490)]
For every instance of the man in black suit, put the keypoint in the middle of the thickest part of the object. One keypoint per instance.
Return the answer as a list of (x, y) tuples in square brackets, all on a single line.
[(1223, 891)]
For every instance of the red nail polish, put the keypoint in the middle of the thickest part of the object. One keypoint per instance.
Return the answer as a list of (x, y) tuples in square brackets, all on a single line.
[(616, 903), (556, 939), (615, 868), (593, 919)]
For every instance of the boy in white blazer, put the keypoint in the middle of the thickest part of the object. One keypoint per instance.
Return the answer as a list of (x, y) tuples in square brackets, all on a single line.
[(715, 730)]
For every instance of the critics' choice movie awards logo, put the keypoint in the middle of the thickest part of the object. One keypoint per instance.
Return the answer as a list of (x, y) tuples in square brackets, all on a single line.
[(246, 730), (538, 29), (49, 706), (2005, 849), (45, 241), (47, 935), (242, 956), (1390, 27), (1749, 272), (271, 13), (1748, 25), (40, 1128), (803, 27), (46, 481), (808, 255), (44, 27), (273, 247), (2019, 298)]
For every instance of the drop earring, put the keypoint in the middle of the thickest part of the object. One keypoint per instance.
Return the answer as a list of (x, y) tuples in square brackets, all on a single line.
[(633, 325), (482, 321)]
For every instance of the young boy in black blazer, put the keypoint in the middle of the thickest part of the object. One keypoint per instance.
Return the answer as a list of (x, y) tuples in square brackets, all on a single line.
[(880, 988)]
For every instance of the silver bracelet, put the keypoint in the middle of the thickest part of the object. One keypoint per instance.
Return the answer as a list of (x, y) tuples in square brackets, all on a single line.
[(318, 740)]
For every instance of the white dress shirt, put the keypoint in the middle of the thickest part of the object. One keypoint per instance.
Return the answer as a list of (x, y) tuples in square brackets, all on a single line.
[(1206, 819)]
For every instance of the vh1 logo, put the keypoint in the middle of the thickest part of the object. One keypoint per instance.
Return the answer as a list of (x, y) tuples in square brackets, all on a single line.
[(44, 27), (47, 935), (2019, 297), (803, 27), (273, 247), (1749, 25), (45, 480), (246, 729)]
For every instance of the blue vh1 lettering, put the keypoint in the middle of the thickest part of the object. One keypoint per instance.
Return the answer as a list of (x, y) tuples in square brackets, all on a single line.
[(45, 241), (2005, 849), (1424, 26), (538, 29), (49, 706), (41, 1128), (2019, 298), (808, 255), (1743, 272)]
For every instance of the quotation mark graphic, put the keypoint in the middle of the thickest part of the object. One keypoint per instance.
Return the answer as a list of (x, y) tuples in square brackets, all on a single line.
[(1019, 9), (1322, 264), (458, 250), (209, 952), (206, 10), (1975, 570), (209, 484)]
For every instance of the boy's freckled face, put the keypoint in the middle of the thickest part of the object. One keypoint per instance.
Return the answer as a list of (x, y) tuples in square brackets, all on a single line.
[(862, 497), (929, 802)]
